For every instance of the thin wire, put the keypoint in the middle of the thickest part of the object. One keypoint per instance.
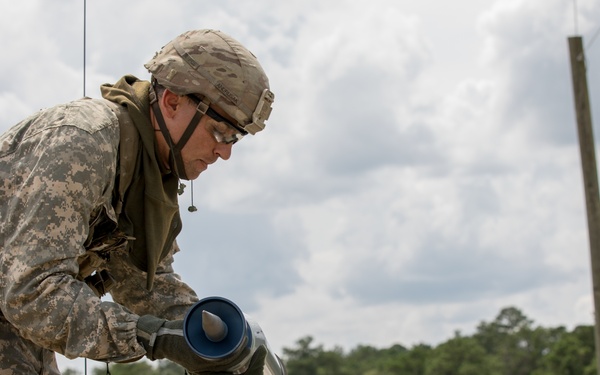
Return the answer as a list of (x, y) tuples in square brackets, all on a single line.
[(593, 38), (84, 47), (575, 15), (84, 41)]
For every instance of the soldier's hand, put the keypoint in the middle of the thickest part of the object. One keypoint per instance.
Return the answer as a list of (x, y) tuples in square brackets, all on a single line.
[(257, 363), (164, 339), (256, 366)]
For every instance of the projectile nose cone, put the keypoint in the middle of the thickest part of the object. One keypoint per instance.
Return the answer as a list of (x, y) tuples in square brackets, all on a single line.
[(214, 327)]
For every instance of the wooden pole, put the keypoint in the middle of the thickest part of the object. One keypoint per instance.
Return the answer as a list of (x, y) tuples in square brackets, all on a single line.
[(590, 174)]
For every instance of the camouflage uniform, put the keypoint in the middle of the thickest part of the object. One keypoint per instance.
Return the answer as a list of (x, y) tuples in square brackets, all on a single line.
[(57, 227)]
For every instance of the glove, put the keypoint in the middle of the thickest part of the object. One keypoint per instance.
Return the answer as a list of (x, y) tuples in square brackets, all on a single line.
[(164, 339), (257, 363), (256, 366)]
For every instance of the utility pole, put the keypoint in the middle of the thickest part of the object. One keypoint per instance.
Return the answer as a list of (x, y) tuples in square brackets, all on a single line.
[(590, 174)]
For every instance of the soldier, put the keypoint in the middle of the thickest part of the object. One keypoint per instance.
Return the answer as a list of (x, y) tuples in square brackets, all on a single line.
[(88, 205)]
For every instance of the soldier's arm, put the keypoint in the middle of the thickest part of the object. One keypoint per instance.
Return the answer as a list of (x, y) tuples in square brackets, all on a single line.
[(57, 175), (170, 297)]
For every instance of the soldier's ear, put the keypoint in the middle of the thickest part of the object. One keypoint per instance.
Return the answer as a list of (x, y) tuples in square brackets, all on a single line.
[(170, 102)]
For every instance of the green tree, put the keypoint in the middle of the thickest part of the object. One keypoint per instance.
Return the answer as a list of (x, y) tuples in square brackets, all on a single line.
[(331, 362), (307, 360), (513, 342), (572, 354), (492, 336), (302, 360), (135, 368), (460, 356), (362, 360), (409, 362), (169, 368), (361, 356)]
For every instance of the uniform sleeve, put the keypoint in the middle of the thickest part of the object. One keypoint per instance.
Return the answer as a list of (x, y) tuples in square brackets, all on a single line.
[(53, 177), (170, 297)]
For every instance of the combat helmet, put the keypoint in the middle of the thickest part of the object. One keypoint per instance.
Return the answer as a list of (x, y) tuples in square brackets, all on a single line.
[(223, 72)]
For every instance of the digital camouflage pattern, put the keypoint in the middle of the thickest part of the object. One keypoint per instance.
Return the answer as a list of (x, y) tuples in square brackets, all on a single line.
[(57, 226), (216, 66)]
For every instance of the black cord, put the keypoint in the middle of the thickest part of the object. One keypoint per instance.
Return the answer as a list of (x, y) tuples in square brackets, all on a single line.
[(192, 208)]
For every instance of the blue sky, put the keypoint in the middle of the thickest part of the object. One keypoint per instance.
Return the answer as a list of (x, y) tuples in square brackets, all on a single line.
[(420, 170)]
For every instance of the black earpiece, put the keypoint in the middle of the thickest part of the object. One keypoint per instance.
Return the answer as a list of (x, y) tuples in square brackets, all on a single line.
[(192, 208)]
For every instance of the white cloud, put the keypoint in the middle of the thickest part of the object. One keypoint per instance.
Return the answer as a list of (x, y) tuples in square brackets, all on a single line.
[(420, 170)]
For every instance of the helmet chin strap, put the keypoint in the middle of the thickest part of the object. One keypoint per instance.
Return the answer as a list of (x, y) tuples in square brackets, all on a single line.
[(175, 161)]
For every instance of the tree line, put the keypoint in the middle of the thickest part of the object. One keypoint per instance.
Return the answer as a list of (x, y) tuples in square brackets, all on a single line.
[(508, 345)]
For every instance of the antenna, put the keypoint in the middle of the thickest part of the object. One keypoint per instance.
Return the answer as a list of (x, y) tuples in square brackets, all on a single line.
[(84, 46), (84, 41), (575, 15)]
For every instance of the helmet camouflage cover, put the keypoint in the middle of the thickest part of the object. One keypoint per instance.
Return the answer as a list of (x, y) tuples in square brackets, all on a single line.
[(217, 67)]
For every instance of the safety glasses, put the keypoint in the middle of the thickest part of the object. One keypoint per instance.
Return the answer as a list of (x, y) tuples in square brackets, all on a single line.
[(217, 133)]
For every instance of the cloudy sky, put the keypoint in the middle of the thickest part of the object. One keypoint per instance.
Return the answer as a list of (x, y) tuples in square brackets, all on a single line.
[(420, 170)]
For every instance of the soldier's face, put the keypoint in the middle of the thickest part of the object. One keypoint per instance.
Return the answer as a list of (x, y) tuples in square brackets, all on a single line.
[(210, 140), (207, 144)]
